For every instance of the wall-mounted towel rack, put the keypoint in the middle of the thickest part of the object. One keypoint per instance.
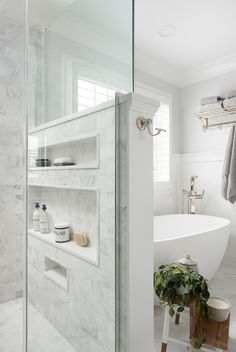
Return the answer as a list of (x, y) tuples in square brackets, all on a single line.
[(217, 118)]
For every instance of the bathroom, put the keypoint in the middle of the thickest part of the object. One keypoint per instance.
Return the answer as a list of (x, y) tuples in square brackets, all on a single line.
[(82, 179)]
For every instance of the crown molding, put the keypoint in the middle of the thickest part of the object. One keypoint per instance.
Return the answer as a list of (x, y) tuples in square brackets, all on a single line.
[(212, 69), (140, 104), (179, 77)]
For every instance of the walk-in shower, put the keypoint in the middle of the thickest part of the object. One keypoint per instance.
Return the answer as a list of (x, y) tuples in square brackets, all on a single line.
[(62, 64)]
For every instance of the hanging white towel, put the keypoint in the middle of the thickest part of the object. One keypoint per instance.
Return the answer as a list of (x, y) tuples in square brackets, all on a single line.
[(229, 169)]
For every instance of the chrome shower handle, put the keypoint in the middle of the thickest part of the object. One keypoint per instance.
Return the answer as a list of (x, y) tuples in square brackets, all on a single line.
[(142, 123)]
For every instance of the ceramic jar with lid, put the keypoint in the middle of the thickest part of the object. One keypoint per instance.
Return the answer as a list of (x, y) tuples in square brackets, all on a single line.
[(62, 232), (188, 262)]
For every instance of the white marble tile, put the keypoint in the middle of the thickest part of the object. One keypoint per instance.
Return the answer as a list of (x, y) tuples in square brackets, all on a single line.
[(11, 154), (85, 315), (42, 335)]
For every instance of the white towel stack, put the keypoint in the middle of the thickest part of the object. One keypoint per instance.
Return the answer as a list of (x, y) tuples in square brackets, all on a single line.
[(210, 107), (230, 99), (211, 100)]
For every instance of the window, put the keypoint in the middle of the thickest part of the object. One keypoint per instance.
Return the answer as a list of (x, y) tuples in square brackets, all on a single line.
[(90, 93), (161, 145), (85, 85)]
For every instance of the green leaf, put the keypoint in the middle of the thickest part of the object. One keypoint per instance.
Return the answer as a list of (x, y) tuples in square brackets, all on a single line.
[(171, 312)]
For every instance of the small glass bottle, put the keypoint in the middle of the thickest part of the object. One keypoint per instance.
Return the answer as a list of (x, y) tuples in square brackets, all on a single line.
[(44, 220), (36, 217)]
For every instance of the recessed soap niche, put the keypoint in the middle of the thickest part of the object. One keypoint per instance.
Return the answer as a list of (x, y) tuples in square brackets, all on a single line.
[(56, 273), (77, 206), (83, 151)]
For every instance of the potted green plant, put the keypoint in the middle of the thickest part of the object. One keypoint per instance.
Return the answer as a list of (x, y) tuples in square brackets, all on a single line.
[(177, 285)]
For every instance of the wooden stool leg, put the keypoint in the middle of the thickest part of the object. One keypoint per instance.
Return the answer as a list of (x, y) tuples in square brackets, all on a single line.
[(177, 318), (166, 330), (164, 347)]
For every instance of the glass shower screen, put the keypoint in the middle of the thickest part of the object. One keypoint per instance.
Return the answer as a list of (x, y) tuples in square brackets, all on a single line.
[(80, 54)]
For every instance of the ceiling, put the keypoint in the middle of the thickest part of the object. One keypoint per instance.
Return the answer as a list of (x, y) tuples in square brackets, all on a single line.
[(202, 45), (205, 32)]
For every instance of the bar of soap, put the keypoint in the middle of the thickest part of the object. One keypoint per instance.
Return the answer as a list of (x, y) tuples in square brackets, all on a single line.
[(81, 239)]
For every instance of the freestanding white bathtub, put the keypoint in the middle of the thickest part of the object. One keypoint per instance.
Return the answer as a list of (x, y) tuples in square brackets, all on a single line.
[(204, 237)]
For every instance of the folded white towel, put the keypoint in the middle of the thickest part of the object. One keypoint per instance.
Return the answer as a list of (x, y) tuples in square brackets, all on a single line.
[(229, 103), (229, 169), (230, 94), (209, 107), (210, 100)]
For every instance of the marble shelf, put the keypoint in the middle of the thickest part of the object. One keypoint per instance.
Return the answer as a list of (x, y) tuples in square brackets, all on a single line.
[(93, 165), (89, 254), (77, 188)]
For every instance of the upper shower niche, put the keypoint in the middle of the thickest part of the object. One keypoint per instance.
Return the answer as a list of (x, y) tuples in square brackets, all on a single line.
[(80, 54)]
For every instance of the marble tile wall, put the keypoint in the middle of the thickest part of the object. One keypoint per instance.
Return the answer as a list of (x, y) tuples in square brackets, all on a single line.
[(85, 315), (11, 154), (35, 76)]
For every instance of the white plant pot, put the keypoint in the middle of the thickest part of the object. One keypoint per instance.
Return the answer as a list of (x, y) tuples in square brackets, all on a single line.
[(218, 308)]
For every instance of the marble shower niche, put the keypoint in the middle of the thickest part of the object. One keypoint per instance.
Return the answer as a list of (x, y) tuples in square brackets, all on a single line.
[(83, 151), (77, 206)]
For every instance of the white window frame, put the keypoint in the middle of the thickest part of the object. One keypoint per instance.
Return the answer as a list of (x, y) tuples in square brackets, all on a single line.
[(90, 71), (162, 96)]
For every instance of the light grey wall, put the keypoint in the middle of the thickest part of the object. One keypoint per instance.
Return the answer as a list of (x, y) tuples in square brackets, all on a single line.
[(55, 46), (192, 138), (11, 154), (207, 151)]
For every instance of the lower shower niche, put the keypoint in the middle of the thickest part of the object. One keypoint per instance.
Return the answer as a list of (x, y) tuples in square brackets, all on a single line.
[(74, 205), (57, 273)]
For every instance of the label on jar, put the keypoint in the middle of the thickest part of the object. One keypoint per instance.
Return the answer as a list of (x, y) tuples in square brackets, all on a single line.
[(62, 234)]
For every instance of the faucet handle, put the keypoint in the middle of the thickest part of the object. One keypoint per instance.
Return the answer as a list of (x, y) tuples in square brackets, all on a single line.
[(194, 177), (199, 195)]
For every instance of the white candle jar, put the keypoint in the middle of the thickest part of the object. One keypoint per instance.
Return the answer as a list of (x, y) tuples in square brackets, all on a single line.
[(62, 232)]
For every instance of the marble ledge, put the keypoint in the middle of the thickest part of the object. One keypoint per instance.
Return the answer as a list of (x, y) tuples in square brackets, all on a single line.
[(88, 254)]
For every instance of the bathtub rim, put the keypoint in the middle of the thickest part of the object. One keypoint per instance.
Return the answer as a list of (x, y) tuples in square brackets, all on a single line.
[(193, 234)]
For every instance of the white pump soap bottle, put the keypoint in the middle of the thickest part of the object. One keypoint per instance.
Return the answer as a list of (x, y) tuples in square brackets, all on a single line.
[(36, 217), (44, 220)]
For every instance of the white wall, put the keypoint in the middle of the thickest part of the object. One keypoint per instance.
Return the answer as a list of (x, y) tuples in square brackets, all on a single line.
[(195, 152), (203, 153), (136, 226)]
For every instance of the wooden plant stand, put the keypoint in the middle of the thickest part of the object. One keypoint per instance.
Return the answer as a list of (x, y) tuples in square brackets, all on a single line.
[(216, 335)]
